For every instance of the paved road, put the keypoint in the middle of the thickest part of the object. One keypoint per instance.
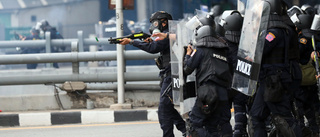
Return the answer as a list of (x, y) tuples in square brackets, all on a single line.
[(122, 129), (117, 129)]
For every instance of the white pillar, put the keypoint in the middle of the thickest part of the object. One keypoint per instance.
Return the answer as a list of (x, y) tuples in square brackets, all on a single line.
[(120, 52)]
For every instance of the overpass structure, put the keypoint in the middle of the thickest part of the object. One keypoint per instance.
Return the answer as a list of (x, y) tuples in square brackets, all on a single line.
[(47, 80)]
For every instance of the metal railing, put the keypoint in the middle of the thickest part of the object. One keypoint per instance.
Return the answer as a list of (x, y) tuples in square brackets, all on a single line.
[(75, 56)]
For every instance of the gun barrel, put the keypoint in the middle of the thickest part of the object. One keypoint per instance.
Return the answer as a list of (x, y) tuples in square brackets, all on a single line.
[(140, 35), (114, 40)]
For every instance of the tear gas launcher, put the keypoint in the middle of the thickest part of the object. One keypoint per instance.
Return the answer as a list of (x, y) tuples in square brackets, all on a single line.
[(139, 35)]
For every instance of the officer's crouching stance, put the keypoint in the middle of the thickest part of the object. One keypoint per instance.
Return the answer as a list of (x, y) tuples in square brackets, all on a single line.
[(279, 76), (213, 77)]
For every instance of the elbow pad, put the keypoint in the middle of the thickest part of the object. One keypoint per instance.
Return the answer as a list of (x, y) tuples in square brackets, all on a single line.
[(187, 70)]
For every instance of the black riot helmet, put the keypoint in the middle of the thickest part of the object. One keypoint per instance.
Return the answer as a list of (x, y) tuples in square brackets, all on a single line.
[(44, 24), (157, 19), (301, 18), (306, 8), (277, 7), (196, 22), (160, 15), (204, 31), (294, 10), (207, 20), (233, 22), (216, 10), (302, 21)]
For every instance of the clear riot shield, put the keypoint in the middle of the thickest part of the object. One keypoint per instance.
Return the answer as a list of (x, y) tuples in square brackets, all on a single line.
[(251, 46), (183, 87), (241, 5)]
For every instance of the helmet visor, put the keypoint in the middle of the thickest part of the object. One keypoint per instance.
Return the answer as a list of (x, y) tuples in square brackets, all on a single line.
[(193, 23), (294, 18)]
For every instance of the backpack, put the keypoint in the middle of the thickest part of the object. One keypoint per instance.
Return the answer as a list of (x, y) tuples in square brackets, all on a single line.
[(308, 74)]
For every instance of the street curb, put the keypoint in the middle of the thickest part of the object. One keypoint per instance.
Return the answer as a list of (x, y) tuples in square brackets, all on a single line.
[(76, 117)]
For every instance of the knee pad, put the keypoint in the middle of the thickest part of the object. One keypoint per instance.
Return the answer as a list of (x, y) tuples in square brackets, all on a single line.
[(282, 126)]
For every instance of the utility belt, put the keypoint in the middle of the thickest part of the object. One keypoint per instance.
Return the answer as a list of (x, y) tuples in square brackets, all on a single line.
[(159, 62), (162, 61)]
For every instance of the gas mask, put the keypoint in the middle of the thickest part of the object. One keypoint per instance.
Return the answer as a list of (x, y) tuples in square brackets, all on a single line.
[(156, 25)]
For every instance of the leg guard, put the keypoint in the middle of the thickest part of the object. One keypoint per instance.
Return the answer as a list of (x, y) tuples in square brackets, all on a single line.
[(250, 127), (282, 126)]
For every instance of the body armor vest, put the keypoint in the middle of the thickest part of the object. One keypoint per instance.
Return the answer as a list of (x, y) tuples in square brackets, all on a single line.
[(214, 66)]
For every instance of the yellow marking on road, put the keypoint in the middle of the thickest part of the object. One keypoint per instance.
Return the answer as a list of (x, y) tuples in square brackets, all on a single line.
[(88, 125)]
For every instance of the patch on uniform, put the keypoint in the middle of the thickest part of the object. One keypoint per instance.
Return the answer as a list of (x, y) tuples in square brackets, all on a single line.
[(303, 41), (219, 57), (270, 37), (193, 52)]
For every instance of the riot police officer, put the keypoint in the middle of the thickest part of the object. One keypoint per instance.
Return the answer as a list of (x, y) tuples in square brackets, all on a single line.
[(303, 18), (34, 36), (279, 77), (167, 114), (232, 25), (213, 77), (54, 34)]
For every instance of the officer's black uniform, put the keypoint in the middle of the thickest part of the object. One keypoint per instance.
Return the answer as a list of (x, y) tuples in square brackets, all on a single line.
[(213, 77), (309, 92), (306, 98), (240, 101), (167, 114), (232, 26), (54, 34), (279, 77)]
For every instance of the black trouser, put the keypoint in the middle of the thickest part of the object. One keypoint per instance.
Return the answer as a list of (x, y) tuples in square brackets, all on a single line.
[(310, 99), (167, 114), (260, 109)]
